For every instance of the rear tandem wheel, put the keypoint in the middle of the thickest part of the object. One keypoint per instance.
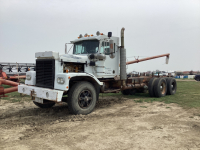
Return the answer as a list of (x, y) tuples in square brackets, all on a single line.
[(171, 86), (151, 87), (160, 87)]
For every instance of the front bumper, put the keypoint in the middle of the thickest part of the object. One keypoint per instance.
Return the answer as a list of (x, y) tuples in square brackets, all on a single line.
[(41, 93)]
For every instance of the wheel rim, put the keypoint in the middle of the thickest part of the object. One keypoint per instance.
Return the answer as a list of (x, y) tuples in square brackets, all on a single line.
[(163, 87), (85, 99)]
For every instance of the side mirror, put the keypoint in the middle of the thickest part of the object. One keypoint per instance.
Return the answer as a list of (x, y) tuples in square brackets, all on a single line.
[(112, 55), (111, 46)]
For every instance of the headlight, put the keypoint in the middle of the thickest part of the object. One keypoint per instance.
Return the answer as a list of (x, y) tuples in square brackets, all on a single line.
[(28, 77), (60, 80)]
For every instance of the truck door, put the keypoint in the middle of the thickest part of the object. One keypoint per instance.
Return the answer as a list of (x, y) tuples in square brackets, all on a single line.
[(110, 63)]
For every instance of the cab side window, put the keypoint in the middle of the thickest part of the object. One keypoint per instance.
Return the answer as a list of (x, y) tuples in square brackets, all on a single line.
[(102, 48), (78, 48), (105, 48)]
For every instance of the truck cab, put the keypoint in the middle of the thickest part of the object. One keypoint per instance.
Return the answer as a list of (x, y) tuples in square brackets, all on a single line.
[(94, 52), (94, 58)]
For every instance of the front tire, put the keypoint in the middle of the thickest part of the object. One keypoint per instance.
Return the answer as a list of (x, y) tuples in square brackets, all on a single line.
[(45, 105), (82, 98)]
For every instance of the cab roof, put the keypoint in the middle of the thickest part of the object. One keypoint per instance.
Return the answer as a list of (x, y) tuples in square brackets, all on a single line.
[(99, 37)]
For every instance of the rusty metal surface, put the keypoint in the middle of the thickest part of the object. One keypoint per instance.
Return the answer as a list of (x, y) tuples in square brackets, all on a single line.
[(14, 77), (138, 80), (131, 82), (122, 59), (7, 82), (148, 58), (9, 90), (122, 37), (33, 94), (112, 91), (3, 91), (2, 74), (132, 86)]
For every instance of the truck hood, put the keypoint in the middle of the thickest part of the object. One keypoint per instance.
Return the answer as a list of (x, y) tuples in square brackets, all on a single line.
[(74, 58)]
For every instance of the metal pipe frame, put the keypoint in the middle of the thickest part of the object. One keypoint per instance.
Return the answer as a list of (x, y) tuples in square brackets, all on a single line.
[(7, 90), (148, 58)]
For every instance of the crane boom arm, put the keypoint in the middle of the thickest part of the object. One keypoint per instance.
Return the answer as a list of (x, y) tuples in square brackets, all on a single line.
[(148, 58)]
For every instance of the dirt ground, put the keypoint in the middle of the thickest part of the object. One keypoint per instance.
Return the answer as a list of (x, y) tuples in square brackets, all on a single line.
[(116, 123)]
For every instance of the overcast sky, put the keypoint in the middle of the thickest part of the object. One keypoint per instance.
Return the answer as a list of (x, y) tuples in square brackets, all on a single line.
[(152, 27)]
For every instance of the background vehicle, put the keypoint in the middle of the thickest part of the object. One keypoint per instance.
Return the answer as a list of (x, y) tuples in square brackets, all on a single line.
[(197, 77)]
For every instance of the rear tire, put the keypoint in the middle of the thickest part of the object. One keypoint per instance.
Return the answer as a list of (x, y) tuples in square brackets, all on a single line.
[(126, 92), (45, 105), (132, 91), (150, 86), (171, 86), (82, 98), (160, 87)]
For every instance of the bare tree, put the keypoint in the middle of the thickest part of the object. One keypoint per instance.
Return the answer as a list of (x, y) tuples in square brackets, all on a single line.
[(191, 72)]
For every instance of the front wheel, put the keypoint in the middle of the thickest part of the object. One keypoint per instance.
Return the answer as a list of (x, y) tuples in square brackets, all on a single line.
[(45, 105), (82, 98)]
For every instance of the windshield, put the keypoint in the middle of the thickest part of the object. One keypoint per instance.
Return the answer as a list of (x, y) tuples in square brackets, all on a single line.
[(86, 47)]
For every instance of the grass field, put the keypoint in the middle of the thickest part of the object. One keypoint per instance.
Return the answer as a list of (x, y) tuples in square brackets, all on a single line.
[(187, 95), (15, 96)]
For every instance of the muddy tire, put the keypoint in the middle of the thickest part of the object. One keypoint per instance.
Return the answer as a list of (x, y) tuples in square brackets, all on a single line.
[(160, 87), (82, 98), (126, 92), (45, 105), (166, 78), (151, 86), (171, 86), (132, 91)]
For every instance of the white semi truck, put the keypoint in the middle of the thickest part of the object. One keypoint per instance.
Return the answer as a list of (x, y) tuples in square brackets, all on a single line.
[(97, 65)]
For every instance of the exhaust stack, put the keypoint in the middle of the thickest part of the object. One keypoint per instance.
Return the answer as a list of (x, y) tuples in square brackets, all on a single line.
[(65, 48), (122, 59)]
